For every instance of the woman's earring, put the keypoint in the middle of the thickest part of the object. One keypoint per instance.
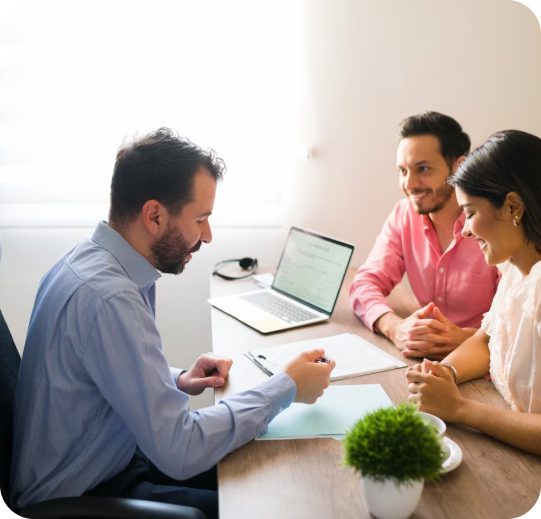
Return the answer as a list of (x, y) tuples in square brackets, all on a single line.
[(516, 221)]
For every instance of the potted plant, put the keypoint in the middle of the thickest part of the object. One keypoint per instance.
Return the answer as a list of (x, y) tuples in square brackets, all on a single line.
[(395, 450)]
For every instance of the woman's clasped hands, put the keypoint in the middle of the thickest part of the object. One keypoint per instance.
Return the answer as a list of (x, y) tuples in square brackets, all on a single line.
[(431, 386)]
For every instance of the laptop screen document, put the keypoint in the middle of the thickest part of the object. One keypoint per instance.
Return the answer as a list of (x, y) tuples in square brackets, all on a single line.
[(312, 268), (305, 288)]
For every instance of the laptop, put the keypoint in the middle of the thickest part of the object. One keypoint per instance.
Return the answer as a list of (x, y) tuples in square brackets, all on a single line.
[(304, 290)]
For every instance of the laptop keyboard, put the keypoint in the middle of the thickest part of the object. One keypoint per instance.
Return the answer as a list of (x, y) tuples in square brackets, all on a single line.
[(279, 307)]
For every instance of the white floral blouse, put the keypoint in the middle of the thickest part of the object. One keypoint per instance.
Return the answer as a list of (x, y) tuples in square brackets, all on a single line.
[(514, 326)]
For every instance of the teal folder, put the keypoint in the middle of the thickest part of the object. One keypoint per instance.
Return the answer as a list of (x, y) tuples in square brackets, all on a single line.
[(334, 413)]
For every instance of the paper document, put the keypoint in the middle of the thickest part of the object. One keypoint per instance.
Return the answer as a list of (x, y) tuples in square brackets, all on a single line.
[(331, 416), (353, 356)]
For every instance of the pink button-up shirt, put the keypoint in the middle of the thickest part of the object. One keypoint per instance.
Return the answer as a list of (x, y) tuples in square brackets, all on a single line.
[(458, 280)]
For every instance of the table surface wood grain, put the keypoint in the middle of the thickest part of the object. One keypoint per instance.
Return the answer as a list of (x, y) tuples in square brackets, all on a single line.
[(307, 478)]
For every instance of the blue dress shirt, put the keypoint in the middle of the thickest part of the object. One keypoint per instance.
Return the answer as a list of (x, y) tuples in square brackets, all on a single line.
[(94, 383)]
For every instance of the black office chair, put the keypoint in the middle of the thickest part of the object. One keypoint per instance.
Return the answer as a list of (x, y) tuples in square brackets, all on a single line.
[(84, 507)]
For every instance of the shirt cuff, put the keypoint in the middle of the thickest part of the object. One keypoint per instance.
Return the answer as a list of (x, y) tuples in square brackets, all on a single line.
[(375, 312), (175, 373), (280, 391)]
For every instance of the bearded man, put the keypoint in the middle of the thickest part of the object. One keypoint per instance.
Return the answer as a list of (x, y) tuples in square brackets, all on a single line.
[(98, 410), (422, 238)]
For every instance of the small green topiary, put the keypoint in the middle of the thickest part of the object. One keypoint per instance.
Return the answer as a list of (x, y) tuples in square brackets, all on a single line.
[(394, 442)]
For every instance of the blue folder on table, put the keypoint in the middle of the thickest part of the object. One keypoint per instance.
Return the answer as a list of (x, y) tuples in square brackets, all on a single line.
[(334, 413)]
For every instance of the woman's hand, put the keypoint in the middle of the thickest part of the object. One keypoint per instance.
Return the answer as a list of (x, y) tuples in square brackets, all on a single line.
[(431, 386)]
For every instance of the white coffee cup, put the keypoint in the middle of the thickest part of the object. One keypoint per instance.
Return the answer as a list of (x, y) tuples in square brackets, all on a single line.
[(440, 426), (438, 423)]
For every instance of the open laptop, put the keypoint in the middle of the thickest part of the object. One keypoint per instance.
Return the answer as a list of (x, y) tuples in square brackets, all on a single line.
[(305, 288)]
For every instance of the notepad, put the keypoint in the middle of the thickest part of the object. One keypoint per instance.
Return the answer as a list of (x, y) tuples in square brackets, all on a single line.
[(331, 416), (353, 355)]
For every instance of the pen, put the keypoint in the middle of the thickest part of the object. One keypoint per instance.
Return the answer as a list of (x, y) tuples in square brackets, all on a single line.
[(323, 359), (259, 364)]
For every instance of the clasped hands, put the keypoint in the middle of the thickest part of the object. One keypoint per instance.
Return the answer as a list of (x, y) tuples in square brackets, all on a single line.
[(427, 332), (431, 386)]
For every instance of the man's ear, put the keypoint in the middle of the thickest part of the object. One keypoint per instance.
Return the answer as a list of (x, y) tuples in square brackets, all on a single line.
[(456, 163), (154, 217)]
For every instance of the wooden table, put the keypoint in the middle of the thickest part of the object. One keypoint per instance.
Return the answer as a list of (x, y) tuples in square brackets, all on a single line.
[(307, 479)]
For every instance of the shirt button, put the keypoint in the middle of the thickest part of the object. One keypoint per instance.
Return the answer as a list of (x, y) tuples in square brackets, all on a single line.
[(439, 299), (442, 270)]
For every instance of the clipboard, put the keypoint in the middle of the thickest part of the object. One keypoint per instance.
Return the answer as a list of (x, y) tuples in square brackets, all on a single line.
[(354, 356)]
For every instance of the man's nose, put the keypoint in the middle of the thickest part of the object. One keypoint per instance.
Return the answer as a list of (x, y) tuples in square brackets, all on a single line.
[(206, 233), (409, 181)]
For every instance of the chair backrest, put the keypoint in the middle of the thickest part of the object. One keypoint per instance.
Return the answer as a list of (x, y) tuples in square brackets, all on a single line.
[(9, 367)]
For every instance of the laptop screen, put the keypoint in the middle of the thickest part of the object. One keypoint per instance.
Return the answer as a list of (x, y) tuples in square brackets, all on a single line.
[(312, 268)]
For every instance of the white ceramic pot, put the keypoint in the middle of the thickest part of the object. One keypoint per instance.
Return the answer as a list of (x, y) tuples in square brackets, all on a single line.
[(389, 500)]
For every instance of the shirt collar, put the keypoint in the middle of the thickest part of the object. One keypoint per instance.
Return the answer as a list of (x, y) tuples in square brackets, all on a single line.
[(457, 229), (137, 267), (459, 225), (535, 271), (536, 268), (427, 222)]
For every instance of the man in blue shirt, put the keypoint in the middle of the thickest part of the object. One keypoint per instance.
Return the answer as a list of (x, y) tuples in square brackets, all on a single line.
[(98, 410)]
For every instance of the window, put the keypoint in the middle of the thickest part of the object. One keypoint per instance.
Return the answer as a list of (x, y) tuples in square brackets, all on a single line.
[(77, 77)]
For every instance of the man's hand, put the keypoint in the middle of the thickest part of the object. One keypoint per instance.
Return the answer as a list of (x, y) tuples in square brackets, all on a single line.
[(420, 335), (425, 333), (432, 387), (456, 334), (311, 377), (207, 371)]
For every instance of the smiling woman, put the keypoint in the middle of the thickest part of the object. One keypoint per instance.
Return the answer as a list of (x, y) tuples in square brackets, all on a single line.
[(499, 189), (499, 236)]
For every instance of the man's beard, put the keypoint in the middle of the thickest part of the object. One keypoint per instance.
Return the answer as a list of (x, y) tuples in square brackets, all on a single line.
[(171, 252), (441, 197)]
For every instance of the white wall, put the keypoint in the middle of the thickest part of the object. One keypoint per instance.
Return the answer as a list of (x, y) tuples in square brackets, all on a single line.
[(368, 65), (372, 63)]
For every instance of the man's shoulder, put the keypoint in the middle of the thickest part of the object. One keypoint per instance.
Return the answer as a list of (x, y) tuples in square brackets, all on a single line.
[(403, 216), (91, 268)]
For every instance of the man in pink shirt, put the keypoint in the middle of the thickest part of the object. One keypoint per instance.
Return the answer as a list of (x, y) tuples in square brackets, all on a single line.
[(422, 238)]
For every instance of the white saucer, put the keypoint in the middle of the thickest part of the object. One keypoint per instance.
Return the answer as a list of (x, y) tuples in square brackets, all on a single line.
[(454, 459)]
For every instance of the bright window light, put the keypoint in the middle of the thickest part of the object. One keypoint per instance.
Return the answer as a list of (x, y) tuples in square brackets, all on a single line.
[(77, 77)]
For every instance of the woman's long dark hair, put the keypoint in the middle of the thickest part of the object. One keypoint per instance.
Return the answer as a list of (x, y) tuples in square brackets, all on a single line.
[(508, 161)]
